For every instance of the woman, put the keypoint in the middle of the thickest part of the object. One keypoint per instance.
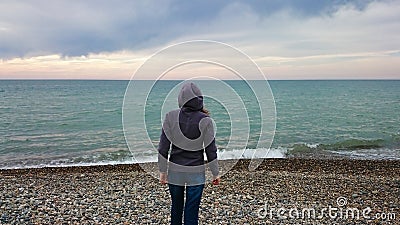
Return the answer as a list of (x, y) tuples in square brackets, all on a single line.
[(188, 132)]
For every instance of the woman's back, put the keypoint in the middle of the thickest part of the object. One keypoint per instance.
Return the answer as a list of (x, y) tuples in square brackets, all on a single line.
[(189, 130)]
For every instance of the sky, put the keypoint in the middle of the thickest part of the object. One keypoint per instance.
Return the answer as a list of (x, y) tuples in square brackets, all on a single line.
[(287, 39)]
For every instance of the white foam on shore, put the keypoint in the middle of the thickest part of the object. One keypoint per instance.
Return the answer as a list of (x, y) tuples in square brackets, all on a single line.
[(373, 154), (259, 153), (102, 163), (222, 155)]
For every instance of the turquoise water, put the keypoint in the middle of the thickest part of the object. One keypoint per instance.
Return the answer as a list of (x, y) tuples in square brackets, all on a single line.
[(65, 122)]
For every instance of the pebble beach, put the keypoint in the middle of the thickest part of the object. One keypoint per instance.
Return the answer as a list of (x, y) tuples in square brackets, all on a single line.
[(279, 191)]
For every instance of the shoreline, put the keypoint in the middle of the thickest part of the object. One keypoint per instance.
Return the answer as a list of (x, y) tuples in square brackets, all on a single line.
[(291, 164), (126, 194)]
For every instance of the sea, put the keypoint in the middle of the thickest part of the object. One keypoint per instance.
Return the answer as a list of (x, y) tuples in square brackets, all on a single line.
[(80, 122)]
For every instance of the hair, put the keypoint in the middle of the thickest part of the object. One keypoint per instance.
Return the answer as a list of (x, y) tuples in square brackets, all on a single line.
[(205, 111)]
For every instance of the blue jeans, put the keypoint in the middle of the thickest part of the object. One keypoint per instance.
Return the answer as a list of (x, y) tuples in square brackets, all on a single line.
[(190, 207)]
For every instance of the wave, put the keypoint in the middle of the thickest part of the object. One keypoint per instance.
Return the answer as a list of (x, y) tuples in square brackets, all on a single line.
[(106, 156), (226, 154), (252, 153), (351, 144), (351, 148), (364, 148), (43, 165), (100, 156), (112, 110)]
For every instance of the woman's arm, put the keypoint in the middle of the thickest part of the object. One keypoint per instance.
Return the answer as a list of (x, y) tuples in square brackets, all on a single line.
[(211, 153), (163, 150)]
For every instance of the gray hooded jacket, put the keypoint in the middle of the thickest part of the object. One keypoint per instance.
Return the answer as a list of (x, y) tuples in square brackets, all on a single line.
[(186, 134)]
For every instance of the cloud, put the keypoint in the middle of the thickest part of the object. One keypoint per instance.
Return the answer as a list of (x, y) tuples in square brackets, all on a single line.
[(77, 27), (51, 37), (81, 27), (117, 65), (347, 29)]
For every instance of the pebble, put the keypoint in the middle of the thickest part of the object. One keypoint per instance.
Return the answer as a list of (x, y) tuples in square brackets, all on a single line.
[(124, 194)]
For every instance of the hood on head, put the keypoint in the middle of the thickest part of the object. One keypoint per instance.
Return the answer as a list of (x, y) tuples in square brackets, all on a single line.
[(190, 97)]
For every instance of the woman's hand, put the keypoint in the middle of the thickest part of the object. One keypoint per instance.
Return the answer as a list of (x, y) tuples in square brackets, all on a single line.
[(216, 180), (163, 178)]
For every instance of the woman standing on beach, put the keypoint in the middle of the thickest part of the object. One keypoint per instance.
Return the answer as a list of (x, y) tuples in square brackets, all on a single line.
[(188, 132)]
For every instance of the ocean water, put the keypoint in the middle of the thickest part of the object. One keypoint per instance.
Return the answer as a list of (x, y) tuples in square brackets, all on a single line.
[(79, 122)]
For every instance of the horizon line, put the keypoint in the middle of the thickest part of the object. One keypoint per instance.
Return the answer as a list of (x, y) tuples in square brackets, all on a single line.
[(316, 79)]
